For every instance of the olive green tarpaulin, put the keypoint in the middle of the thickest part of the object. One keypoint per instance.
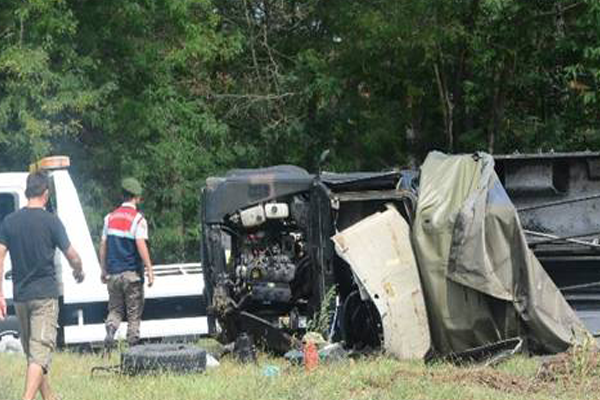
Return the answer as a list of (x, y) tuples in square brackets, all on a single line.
[(481, 282)]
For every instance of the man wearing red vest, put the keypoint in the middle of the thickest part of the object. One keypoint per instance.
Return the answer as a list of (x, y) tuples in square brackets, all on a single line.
[(124, 256)]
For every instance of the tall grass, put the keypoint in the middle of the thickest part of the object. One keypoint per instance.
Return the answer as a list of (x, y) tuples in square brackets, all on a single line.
[(369, 378)]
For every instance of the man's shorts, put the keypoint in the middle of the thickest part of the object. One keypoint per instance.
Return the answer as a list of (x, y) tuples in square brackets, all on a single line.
[(39, 324)]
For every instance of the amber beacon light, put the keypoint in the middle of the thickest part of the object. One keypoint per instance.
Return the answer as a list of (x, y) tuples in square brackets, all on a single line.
[(51, 163)]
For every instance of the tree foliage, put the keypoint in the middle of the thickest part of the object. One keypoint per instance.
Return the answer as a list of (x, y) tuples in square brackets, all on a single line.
[(174, 91)]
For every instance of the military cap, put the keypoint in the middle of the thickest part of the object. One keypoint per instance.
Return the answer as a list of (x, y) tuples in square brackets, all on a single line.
[(132, 185)]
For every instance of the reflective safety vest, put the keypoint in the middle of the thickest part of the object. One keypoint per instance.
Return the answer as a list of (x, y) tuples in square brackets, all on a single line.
[(121, 252)]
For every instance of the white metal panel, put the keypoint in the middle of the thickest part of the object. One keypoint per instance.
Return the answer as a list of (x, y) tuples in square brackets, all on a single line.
[(151, 329), (379, 252), (176, 280), (14, 181), (71, 214)]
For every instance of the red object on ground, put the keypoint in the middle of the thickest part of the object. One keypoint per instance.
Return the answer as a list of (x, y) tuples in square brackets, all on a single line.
[(311, 356)]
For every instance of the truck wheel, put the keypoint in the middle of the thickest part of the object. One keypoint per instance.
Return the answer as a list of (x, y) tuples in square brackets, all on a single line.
[(149, 358), (360, 322)]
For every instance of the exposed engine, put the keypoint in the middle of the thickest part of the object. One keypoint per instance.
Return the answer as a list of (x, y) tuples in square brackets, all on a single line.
[(267, 252)]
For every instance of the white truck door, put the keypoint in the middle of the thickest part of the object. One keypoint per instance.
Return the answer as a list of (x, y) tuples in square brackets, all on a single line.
[(379, 253)]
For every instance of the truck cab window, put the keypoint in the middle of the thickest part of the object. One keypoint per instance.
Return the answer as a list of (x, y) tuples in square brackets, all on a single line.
[(8, 204)]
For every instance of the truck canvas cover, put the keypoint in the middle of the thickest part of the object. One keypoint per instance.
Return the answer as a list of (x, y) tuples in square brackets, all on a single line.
[(482, 284)]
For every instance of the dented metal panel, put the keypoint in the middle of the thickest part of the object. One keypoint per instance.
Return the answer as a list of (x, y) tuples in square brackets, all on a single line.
[(379, 252)]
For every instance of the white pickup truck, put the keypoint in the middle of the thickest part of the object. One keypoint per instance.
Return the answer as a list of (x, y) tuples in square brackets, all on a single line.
[(174, 307)]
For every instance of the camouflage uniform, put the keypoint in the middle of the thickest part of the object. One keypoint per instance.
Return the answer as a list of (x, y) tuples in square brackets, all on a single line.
[(126, 298)]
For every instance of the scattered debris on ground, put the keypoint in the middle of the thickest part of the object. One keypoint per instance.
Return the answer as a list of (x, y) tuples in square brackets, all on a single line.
[(494, 379), (211, 362), (577, 364), (325, 351)]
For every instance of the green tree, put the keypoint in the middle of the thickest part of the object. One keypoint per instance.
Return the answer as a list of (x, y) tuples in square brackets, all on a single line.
[(45, 93)]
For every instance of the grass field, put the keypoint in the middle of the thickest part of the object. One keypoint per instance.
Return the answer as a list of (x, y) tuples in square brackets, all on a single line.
[(369, 378)]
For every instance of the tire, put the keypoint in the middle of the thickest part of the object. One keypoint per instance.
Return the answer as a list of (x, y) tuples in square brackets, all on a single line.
[(152, 358), (10, 326), (360, 323)]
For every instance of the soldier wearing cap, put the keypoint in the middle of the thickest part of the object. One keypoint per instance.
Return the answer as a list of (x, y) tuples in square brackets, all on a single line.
[(124, 257)]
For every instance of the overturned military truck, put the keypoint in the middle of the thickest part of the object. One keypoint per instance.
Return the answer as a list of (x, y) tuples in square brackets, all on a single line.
[(435, 263), (557, 196)]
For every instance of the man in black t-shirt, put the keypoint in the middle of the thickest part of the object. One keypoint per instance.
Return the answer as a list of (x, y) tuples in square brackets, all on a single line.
[(32, 235)]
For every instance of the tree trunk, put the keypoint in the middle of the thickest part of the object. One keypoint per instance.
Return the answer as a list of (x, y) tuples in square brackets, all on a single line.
[(447, 108), (498, 106), (464, 121)]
